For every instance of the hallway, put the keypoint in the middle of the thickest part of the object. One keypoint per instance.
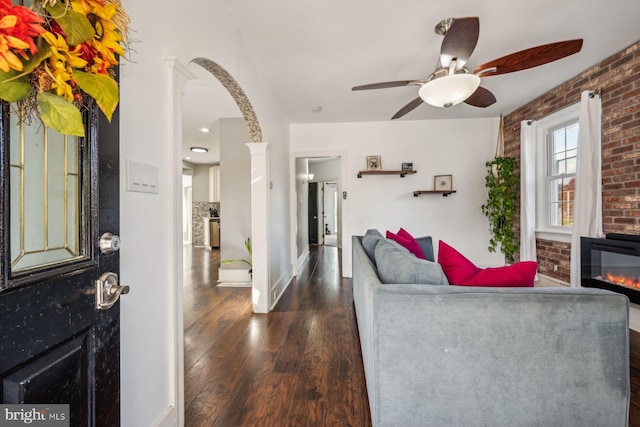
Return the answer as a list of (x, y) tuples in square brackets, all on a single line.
[(299, 365)]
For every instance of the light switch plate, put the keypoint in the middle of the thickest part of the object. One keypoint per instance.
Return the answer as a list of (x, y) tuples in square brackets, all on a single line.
[(141, 177)]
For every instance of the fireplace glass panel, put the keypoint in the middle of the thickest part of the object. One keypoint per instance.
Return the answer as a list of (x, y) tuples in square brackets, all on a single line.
[(616, 268), (612, 263)]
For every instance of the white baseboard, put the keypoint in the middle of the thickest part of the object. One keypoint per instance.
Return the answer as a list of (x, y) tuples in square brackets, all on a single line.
[(168, 418), (230, 275), (301, 259), (283, 283), (634, 317), (545, 281)]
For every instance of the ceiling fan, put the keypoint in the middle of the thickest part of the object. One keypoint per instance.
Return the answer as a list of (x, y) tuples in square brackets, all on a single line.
[(452, 82)]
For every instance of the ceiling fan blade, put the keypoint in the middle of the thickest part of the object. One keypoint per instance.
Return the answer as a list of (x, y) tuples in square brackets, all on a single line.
[(459, 41), (529, 58), (407, 108), (481, 98), (385, 85)]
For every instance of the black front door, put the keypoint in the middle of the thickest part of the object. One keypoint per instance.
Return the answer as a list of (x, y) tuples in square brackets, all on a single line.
[(60, 199), (313, 213)]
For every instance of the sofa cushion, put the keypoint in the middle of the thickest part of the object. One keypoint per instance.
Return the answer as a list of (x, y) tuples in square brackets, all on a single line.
[(399, 267), (460, 271), (406, 240), (456, 266), (427, 247), (520, 274), (369, 241)]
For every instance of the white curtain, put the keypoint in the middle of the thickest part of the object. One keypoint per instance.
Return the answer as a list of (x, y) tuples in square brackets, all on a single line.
[(587, 206), (528, 133)]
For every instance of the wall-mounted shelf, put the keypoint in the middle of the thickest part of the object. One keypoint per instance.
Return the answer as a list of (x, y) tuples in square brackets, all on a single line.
[(381, 172), (444, 193)]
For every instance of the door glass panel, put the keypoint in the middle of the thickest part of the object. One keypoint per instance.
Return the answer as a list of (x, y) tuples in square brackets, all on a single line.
[(45, 208)]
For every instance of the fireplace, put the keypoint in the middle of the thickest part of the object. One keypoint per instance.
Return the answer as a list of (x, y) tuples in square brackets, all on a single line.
[(612, 263)]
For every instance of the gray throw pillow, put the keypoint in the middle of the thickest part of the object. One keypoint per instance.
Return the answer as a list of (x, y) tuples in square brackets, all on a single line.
[(369, 241), (395, 266)]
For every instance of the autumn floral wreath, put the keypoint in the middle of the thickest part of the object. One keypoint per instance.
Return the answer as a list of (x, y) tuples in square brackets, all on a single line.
[(55, 53)]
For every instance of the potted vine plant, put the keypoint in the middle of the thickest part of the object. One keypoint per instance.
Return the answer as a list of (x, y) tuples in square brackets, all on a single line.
[(500, 207), (247, 245)]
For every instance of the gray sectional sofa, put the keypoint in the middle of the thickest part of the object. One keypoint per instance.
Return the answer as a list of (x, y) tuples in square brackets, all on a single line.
[(497, 357)]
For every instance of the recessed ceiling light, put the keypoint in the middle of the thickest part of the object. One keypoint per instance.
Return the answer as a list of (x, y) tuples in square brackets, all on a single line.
[(199, 150), (316, 108), (205, 130)]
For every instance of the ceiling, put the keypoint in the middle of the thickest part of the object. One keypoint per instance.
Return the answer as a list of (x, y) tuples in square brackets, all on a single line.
[(313, 52)]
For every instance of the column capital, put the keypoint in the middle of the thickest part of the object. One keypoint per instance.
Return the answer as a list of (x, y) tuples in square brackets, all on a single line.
[(257, 148)]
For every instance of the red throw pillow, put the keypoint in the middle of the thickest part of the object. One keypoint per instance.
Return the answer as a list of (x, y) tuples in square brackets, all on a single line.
[(409, 242), (405, 234), (460, 271), (456, 267)]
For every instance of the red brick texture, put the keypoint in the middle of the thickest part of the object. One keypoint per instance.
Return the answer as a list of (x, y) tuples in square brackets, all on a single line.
[(618, 77)]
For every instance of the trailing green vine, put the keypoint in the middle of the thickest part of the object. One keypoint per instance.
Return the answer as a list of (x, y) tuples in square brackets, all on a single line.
[(500, 207)]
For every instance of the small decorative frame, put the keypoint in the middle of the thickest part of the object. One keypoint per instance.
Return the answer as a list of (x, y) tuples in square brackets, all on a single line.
[(443, 183), (374, 163), (407, 166)]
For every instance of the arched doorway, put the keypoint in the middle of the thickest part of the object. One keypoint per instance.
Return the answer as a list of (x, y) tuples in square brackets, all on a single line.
[(179, 76), (259, 185)]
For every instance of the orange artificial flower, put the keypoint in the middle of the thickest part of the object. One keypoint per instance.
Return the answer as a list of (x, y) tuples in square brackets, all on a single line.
[(19, 28)]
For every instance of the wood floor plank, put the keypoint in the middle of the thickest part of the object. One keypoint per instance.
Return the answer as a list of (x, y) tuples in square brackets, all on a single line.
[(289, 356), (214, 324), (227, 380), (223, 361)]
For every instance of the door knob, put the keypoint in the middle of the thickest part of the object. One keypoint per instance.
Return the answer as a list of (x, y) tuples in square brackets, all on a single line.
[(108, 291)]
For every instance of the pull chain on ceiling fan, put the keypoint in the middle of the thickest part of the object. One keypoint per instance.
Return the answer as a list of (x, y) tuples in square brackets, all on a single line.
[(452, 82)]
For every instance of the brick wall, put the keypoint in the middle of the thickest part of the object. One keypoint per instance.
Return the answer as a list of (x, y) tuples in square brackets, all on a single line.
[(619, 79)]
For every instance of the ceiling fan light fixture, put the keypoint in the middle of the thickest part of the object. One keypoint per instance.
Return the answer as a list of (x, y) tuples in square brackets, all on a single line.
[(449, 90)]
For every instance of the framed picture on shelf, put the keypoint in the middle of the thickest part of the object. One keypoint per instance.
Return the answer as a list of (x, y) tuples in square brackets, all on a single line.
[(407, 166), (443, 183), (374, 163)]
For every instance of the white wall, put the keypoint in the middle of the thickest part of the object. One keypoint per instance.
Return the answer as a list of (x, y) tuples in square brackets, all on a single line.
[(326, 170), (436, 147), (302, 209), (148, 263), (235, 189)]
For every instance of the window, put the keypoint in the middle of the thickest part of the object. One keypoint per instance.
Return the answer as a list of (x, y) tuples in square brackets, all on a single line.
[(562, 151), (556, 155)]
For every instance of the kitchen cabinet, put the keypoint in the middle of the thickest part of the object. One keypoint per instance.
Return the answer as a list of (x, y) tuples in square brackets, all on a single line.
[(214, 183)]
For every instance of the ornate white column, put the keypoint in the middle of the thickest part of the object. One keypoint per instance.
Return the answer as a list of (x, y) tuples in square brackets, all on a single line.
[(260, 225), (178, 76)]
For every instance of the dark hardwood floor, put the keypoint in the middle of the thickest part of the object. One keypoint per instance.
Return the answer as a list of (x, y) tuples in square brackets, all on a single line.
[(299, 365)]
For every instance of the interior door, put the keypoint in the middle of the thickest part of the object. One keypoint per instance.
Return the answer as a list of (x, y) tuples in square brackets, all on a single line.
[(313, 213), (59, 342)]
